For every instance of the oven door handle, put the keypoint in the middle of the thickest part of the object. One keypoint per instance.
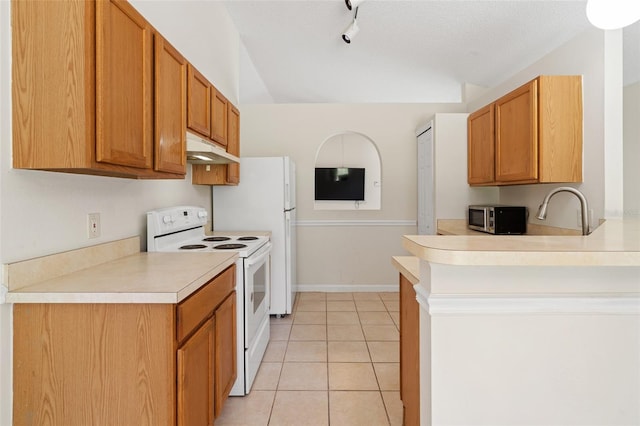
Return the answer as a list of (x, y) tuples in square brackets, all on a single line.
[(259, 256)]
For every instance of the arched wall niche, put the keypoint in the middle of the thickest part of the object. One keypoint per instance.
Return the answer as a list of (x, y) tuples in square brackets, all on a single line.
[(352, 149)]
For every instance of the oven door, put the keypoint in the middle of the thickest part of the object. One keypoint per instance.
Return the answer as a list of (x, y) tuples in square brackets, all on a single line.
[(257, 289)]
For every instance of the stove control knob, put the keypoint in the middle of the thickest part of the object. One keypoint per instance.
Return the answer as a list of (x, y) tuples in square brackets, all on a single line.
[(202, 214), (167, 219)]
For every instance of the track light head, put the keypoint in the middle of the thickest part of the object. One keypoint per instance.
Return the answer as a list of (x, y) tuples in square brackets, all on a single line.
[(350, 32), (352, 4)]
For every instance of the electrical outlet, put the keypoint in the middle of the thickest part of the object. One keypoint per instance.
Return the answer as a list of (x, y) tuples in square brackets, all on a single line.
[(93, 225)]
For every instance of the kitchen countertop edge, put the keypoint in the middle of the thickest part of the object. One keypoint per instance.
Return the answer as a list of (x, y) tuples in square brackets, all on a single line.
[(67, 289), (615, 243), (409, 266)]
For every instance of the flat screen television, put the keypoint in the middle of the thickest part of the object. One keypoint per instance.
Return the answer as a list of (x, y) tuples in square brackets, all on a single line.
[(339, 184)]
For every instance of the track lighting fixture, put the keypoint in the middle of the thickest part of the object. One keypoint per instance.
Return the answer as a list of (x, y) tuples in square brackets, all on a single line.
[(352, 3), (352, 29), (350, 32)]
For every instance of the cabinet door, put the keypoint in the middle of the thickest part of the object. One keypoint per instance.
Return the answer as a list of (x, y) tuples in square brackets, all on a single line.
[(481, 147), (196, 378), (94, 364), (124, 110), (560, 128), (219, 118), (233, 146), (198, 103), (517, 135), (225, 350), (53, 117), (170, 108), (409, 353)]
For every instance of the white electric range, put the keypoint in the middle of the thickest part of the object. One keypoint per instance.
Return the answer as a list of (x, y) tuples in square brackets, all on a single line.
[(182, 229)]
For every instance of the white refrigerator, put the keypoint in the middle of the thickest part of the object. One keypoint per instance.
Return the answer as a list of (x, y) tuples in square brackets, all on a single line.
[(265, 200)]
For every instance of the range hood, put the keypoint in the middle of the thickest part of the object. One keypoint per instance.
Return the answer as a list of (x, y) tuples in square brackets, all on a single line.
[(200, 151)]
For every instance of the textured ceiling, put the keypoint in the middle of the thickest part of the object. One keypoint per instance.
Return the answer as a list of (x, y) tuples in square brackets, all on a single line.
[(406, 51)]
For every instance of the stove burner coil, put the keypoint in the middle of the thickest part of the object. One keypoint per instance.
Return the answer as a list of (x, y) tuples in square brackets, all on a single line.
[(229, 246), (247, 238), (217, 239), (193, 247)]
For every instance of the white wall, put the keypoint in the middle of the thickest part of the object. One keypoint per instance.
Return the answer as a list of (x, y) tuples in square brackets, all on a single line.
[(352, 150), (45, 212), (357, 255), (632, 150), (584, 55), (204, 33), (453, 194), (532, 353)]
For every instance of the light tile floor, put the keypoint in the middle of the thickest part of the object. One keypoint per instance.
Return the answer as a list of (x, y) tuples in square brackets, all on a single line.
[(334, 361)]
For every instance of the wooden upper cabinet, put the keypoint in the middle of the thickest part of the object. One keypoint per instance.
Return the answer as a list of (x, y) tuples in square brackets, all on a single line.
[(198, 102), (517, 135), (207, 108), (94, 111), (233, 146), (222, 174), (170, 108), (538, 134), (53, 117), (124, 84), (219, 108), (560, 135), (480, 146)]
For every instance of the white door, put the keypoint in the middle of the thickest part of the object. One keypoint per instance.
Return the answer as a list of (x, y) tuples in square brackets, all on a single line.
[(426, 184)]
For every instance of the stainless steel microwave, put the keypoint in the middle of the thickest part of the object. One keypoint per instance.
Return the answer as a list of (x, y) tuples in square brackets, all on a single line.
[(498, 219)]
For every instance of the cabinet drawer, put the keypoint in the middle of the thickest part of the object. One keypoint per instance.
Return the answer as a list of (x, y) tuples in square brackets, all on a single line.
[(200, 305)]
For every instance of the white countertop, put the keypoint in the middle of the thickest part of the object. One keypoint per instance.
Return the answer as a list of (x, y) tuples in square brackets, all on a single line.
[(614, 243), (136, 278)]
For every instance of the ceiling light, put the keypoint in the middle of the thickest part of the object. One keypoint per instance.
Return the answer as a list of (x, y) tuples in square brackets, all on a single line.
[(350, 32), (352, 3), (352, 29), (613, 14)]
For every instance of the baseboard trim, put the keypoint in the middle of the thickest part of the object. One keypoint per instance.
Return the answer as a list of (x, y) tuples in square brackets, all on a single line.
[(348, 288), (356, 223)]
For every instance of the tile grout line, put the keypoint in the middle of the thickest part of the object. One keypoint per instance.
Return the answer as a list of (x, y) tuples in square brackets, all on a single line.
[(326, 339)]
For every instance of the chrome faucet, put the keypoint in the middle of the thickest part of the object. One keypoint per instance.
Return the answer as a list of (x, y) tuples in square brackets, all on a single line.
[(542, 210)]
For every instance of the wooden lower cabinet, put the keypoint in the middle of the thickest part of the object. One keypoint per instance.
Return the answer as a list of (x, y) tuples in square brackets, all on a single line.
[(409, 353), (196, 377), (93, 364), (225, 366), (125, 363)]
